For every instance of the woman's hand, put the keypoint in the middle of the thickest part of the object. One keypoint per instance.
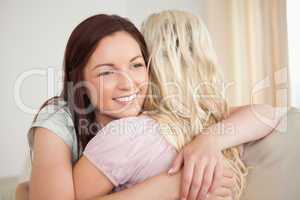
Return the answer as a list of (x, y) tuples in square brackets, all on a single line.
[(202, 167), (223, 190)]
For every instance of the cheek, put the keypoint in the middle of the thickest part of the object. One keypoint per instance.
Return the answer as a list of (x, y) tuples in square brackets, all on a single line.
[(145, 83), (142, 79), (105, 92), (101, 93)]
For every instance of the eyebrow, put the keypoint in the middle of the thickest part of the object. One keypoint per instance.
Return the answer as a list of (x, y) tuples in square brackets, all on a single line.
[(111, 65), (136, 57)]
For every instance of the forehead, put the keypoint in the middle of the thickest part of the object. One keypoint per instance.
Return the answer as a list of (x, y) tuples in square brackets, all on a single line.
[(119, 46)]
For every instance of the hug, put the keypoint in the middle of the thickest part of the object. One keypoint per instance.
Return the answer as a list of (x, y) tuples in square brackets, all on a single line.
[(142, 115)]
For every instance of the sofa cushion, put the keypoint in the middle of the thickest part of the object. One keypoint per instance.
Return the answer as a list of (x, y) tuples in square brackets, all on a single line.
[(275, 160)]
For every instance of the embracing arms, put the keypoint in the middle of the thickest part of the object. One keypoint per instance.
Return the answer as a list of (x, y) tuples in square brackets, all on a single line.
[(201, 157), (52, 174), (245, 124), (52, 160)]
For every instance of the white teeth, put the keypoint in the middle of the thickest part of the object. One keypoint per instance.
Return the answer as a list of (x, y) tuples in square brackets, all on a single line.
[(126, 99)]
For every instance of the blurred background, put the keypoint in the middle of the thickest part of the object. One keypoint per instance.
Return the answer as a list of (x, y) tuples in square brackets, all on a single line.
[(256, 42)]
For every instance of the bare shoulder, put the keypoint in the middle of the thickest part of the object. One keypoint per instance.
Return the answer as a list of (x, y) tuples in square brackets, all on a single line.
[(51, 163), (47, 143)]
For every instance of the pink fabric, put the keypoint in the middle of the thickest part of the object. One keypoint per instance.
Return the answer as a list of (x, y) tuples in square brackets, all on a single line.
[(130, 150)]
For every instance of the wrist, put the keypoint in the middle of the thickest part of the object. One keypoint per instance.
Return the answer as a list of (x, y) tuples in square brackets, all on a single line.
[(209, 135)]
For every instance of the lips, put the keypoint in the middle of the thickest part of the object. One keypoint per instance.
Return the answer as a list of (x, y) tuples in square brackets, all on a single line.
[(125, 99)]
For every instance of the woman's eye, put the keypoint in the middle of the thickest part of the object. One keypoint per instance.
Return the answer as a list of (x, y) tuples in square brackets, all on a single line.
[(105, 73), (138, 65)]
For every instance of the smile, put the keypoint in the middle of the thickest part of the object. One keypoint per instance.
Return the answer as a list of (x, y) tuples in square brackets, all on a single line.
[(126, 98)]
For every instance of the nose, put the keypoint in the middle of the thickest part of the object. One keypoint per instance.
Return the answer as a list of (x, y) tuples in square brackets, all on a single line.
[(126, 81)]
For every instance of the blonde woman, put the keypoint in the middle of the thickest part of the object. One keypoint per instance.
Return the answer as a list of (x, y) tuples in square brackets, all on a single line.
[(183, 58)]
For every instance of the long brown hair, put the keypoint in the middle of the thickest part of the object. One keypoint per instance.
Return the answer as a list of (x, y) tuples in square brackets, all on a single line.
[(81, 45)]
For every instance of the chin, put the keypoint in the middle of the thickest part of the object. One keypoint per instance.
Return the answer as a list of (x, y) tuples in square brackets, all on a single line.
[(132, 113), (129, 113)]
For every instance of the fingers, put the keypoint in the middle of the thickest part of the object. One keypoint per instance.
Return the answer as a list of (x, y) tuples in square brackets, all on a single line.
[(214, 197), (188, 171), (224, 189), (223, 192), (176, 164), (207, 179), (228, 173), (196, 181), (218, 177), (228, 182)]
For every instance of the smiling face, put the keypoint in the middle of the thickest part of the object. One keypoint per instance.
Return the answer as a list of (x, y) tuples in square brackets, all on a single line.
[(116, 77)]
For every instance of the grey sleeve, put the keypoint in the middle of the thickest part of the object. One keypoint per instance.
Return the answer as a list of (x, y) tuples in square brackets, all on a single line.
[(57, 119)]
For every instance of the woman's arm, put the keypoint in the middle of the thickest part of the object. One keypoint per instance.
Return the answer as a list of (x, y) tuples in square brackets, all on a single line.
[(245, 124), (163, 187), (47, 145), (51, 168), (159, 187), (89, 181), (166, 187), (52, 175)]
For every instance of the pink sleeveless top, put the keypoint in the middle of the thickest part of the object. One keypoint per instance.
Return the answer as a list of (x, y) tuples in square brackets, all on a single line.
[(130, 150)]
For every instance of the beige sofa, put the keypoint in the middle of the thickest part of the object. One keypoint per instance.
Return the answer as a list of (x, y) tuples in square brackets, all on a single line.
[(275, 160), (7, 188)]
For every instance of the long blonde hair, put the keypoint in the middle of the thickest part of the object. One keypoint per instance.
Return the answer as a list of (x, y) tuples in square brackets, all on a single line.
[(184, 94)]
